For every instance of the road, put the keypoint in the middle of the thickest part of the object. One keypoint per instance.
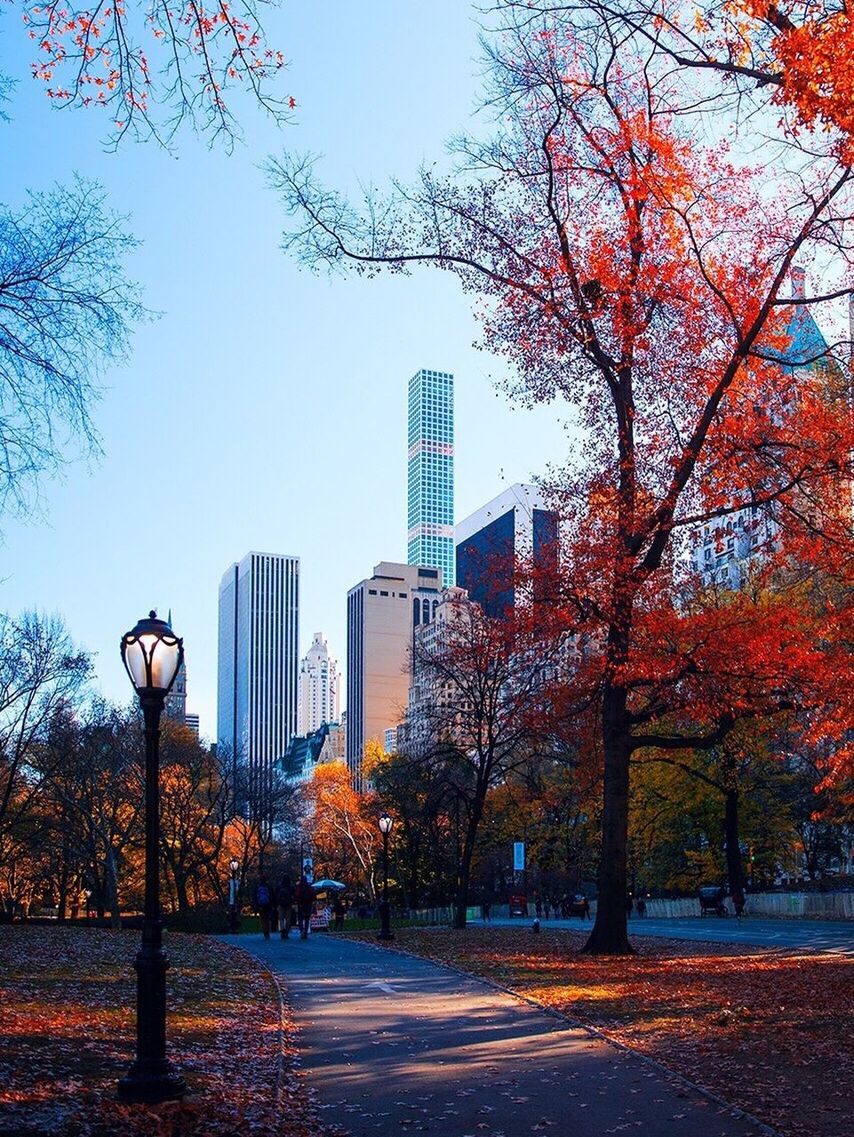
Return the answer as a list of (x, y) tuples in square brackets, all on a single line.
[(814, 935), (392, 1044)]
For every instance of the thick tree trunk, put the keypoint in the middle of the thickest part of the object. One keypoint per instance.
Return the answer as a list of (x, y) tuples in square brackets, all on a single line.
[(735, 872), (610, 934)]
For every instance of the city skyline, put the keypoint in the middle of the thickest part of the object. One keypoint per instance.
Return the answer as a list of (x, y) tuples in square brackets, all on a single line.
[(255, 386)]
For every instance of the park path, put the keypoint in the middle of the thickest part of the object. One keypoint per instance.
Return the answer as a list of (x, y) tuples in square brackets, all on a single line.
[(394, 1045), (836, 936)]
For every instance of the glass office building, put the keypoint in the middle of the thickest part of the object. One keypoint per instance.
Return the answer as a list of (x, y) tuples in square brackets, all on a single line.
[(430, 503), (258, 666), (514, 530)]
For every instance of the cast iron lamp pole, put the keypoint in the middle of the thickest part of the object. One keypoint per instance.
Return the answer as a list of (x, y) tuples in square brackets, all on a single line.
[(385, 922), (152, 656), (234, 865)]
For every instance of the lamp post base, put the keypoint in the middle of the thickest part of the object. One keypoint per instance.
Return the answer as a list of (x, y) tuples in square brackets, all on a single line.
[(151, 1086)]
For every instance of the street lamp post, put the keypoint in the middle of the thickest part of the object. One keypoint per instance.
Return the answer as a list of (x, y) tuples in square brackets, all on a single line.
[(385, 912), (152, 656), (234, 865)]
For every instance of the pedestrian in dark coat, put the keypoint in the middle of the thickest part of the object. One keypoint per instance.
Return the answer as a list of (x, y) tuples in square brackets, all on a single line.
[(285, 904), (304, 896), (264, 904)]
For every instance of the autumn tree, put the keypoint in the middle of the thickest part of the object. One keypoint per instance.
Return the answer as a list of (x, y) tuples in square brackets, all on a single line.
[(151, 68), (342, 826), (477, 708), (622, 265), (793, 58), (96, 792), (422, 803), (41, 671), (195, 809)]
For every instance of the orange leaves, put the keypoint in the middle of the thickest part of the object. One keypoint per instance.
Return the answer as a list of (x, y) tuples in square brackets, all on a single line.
[(67, 1035), (105, 48)]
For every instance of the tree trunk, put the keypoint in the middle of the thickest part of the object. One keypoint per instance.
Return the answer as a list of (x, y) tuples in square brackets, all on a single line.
[(610, 933), (735, 873), (111, 886), (180, 882), (464, 870)]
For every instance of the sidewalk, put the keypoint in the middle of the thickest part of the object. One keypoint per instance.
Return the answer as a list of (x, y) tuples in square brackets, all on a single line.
[(393, 1044)]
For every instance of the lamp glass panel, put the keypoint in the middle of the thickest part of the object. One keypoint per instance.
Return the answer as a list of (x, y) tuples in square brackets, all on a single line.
[(385, 823), (135, 663), (164, 661)]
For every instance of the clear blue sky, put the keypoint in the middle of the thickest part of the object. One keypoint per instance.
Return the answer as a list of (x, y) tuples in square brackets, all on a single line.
[(278, 398)]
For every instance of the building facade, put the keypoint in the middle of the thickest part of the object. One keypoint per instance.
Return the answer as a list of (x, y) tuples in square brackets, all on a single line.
[(318, 687), (430, 481), (305, 752), (175, 706), (382, 614), (724, 549), (515, 528), (258, 666)]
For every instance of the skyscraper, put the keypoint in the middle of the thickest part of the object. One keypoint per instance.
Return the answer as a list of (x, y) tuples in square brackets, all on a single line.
[(382, 613), (318, 687), (258, 662), (430, 501), (514, 528)]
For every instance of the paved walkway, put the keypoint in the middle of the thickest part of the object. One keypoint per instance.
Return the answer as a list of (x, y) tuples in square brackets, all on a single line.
[(396, 1045), (814, 935)]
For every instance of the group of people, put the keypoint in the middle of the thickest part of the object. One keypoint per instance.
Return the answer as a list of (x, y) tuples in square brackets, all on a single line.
[(284, 905), (288, 904), (563, 907)]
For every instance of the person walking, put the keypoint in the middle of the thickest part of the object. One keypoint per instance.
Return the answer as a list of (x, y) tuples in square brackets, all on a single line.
[(338, 914), (641, 907), (738, 901), (264, 904), (304, 896), (285, 904)]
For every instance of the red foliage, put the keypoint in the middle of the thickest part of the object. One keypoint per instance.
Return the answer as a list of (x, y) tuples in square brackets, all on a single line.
[(100, 57)]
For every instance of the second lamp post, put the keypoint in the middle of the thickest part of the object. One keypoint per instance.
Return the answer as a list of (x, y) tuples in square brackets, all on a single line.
[(386, 933), (233, 920)]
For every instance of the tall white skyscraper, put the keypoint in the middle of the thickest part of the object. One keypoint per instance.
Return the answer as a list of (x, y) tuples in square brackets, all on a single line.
[(430, 500), (318, 687), (258, 665)]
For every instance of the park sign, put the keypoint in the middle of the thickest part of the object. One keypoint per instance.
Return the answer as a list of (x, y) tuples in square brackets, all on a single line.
[(518, 856)]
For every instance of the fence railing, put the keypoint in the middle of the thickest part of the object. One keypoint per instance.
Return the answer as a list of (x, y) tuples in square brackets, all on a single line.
[(809, 905)]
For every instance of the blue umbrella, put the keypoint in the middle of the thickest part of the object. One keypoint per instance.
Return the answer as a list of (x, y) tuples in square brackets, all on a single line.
[(329, 885)]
